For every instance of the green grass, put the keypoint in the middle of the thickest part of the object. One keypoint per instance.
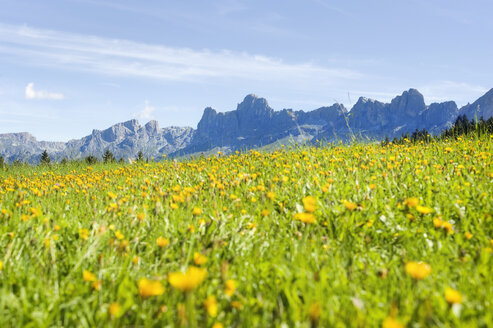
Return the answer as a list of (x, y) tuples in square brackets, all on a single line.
[(349, 263)]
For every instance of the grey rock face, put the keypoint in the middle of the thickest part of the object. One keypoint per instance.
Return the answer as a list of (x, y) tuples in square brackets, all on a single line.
[(128, 138), (254, 124), (483, 107)]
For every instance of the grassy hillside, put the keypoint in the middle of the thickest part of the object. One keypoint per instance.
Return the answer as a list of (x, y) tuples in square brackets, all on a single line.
[(361, 235)]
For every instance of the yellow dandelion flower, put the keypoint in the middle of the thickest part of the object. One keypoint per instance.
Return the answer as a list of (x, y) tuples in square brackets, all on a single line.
[(211, 306), (453, 296), (114, 310), (305, 217), (148, 288), (88, 276), (189, 280), (310, 204), (162, 242), (350, 206), (418, 270), (83, 234), (448, 226), (196, 211), (96, 285), (424, 210), (438, 222), (390, 322), (119, 235), (199, 259), (230, 287), (468, 235), (411, 202)]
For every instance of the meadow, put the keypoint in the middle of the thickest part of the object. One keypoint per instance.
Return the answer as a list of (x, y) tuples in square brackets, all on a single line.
[(360, 235)]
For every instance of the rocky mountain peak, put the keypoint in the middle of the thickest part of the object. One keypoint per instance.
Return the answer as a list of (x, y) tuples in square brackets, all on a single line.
[(410, 103), (152, 127), (254, 105), (133, 125)]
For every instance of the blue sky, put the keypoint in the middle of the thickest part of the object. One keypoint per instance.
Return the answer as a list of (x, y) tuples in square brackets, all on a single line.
[(67, 67)]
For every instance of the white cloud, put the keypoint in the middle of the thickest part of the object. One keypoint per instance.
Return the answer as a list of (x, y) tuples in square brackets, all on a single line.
[(132, 59), (41, 94), (146, 112)]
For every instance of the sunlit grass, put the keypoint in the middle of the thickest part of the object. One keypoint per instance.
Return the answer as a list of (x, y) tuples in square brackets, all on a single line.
[(358, 235)]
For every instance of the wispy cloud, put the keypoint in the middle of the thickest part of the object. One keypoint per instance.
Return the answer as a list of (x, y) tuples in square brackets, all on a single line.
[(127, 58), (31, 93), (146, 112)]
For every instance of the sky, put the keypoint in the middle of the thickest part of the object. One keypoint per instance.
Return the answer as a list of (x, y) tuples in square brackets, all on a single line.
[(67, 67)]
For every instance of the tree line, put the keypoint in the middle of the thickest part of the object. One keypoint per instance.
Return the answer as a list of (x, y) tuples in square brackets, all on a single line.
[(461, 127), (45, 159)]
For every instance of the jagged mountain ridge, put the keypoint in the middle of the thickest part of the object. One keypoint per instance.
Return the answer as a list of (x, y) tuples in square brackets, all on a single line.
[(255, 124), (123, 140)]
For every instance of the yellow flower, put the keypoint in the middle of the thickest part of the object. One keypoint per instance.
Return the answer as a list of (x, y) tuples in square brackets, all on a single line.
[(437, 222), (271, 195), (96, 285), (350, 205), (411, 202), (305, 217), (418, 270), (424, 210), (119, 235), (449, 227), (265, 212), (199, 259), (1, 265), (230, 287), (162, 242), (114, 309), (468, 235), (218, 325), (83, 234), (196, 211), (148, 288), (390, 322), (310, 204), (88, 276), (189, 280), (452, 296), (211, 306)]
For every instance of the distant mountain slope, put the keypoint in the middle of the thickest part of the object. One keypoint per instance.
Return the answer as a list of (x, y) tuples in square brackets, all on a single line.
[(24, 147), (255, 124), (128, 138), (122, 139)]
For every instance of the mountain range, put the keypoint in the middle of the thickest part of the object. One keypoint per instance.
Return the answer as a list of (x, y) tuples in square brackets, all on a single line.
[(255, 124)]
